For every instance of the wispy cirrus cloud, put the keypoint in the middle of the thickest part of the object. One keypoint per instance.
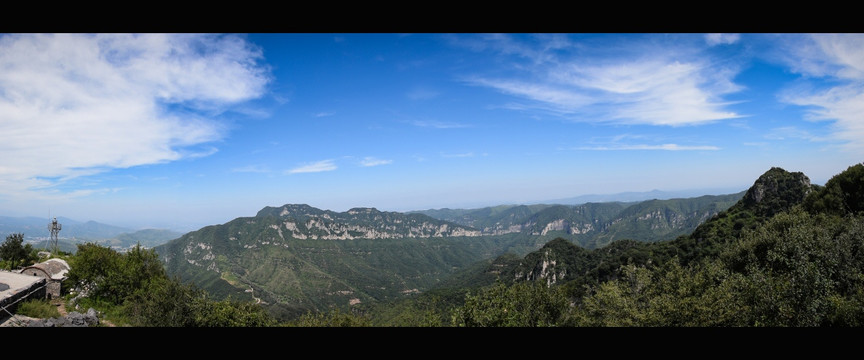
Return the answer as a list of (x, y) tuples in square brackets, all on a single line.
[(838, 58), (721, 39), (666, 147), (323, 114), (662, 86), (372, 161), (73, 105), (439, 124), (630, 141), (318, 166)]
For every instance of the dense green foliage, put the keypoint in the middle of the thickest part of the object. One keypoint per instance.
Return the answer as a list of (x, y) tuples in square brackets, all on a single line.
[(168, 302), (112, 275), (334, 318), (13, 254), (136, 283), (842, 194), (524, 304), (796, 270)]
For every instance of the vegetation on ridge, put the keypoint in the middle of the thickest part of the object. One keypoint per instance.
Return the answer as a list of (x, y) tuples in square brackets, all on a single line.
[(135, 286)]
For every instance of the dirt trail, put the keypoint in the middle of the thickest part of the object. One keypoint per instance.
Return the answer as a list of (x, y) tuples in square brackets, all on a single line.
[(61, 307)]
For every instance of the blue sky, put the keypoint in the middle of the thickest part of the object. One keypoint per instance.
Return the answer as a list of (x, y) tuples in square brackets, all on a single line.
[(186, 130)]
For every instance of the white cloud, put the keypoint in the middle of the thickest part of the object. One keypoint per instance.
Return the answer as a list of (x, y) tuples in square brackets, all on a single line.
[(508, 45), (662, 86), (371, 161), (556, 99), (721, 39), (324, 114), (820, 55), (319, 166), (439, 124), (667, 147), (791, 132), (838, 58), (75, 104)]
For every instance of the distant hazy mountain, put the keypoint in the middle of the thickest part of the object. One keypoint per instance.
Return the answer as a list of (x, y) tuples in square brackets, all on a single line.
[(636, 196), (34, 227), (147, 238), (64, 245), (35, 230)]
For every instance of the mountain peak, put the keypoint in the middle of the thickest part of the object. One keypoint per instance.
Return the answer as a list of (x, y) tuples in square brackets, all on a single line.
[(288, 210), (775, 191), (363, 210)]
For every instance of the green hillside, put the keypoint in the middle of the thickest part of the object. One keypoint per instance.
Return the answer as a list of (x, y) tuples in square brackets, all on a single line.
[(292, 274), (296, 258), (593, 225)]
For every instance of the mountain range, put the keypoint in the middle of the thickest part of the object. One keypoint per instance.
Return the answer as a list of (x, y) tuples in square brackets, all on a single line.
[(296, 258)]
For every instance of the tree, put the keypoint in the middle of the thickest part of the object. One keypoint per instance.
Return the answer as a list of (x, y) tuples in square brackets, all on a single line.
[(93, 268), (12, 251), (523, 304), (842, 194), (332, 318)]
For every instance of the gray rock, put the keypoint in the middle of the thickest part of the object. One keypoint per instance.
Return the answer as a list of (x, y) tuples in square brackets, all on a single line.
[(36, 323), (73, 319), (91, 317)]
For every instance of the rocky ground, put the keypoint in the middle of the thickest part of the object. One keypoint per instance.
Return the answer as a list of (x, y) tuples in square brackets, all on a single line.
[(66, 319), (73, 319)]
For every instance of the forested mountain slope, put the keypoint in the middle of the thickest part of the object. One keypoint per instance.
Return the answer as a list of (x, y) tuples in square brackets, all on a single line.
[(787, 254)]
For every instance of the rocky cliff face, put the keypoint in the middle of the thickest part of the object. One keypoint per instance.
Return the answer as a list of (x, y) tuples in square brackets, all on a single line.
[(556, 261), (775, 191), (306, 222)]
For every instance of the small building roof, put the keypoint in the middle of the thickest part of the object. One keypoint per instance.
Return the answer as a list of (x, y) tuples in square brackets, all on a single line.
[(15, 283), (55, 268)]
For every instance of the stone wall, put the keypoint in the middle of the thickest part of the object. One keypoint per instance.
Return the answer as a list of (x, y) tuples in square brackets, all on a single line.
[(37, 290), (53, 289)]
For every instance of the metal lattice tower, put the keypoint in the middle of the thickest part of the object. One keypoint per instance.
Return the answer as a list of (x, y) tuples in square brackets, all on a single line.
[(54, 227)]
